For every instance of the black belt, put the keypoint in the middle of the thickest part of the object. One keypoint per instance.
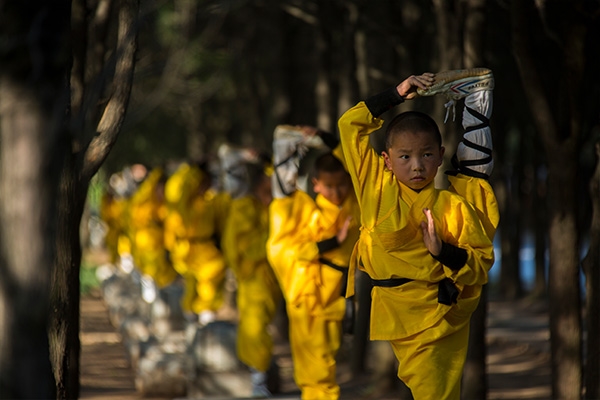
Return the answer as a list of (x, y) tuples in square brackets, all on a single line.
[(392, 282), (343, 270), (333, 265), (447, 290)]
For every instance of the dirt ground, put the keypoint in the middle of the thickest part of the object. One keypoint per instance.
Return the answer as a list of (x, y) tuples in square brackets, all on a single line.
[(518, 357)]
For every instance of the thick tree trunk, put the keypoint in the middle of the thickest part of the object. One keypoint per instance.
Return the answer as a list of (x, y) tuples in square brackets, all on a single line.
[(474, 384), (27, 184), (563, 282), (77, 169), (560, 145), (34, 96), (64, 326), (591, 266)]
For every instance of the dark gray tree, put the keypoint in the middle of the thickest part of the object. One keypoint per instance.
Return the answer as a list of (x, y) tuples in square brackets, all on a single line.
[(99, 103), (591, 266), (34, 97), (554, 53)]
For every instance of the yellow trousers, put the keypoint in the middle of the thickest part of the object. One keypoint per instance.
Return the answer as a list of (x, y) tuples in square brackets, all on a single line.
[(257, 302), (431, 362), (315, 341), (150, 257), (205, 262)]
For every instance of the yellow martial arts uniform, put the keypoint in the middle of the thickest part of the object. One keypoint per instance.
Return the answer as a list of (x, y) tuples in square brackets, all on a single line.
[(312, 290), (111, 213), (204, 261), (258, 294), (429, 339), (181, 186), (148, 212)]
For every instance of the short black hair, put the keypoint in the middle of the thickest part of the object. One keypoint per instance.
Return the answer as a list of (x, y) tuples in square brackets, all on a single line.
[(411, 121), (327, 162)]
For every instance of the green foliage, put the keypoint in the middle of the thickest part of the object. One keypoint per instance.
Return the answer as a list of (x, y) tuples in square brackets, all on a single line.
[(87, 278), (154, 140)]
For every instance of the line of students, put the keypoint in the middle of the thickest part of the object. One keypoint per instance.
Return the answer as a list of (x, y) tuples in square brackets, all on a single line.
[(427, 251)]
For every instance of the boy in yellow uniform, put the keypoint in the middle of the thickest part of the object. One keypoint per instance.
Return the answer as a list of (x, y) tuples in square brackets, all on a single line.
[(205, 260), (427, 251), (148, 212), (111, 210), (244, 246), (309, 246)]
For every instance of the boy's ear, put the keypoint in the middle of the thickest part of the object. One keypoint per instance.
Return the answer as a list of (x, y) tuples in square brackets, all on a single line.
[(442, 152), (386, 159), (316, 186)]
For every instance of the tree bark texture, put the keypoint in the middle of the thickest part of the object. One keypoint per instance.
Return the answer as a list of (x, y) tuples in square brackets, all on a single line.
[(34, 96), (474, 384), (77, 170), (591, 267), (560, 142)]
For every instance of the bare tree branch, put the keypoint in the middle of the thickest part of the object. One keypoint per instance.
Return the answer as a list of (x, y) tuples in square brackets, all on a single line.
[(114, 113)]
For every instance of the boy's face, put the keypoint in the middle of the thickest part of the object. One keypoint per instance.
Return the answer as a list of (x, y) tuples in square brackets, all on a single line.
[(334, 186), (262, 191), (414, 158)]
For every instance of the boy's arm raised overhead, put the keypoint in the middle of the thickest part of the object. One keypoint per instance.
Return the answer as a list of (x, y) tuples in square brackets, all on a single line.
[(363, 162)]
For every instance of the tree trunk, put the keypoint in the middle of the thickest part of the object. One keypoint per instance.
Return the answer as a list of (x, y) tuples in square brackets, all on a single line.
[(591, 267), (474, 383), (64, 324), (561, 145), (563, 281), (360, 338), (475, 376), (448, 22), (33, 101), (540, 229), (510, 278), (76, 172)]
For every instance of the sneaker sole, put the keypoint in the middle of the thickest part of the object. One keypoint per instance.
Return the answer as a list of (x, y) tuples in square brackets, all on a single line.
[(290, 132), (460, 83)]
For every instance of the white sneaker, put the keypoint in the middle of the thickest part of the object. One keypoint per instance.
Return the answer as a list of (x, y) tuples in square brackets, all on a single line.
[(206, 317), (126, 263), (460, 83), (234, 168), (259, 384), (290, 144), (457, 84), (149, 291)]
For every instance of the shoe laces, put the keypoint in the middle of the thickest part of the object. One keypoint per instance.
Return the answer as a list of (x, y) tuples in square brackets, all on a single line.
[(450, 104)]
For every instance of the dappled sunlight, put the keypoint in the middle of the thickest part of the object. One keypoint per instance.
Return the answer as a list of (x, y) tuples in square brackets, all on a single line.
[(530, 362), (518, 345)]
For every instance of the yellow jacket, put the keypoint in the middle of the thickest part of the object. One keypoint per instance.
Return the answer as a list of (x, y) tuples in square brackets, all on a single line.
[(245, 237), (179, 189), (147, 213), (296, 225), (111, 212), (391, 242)]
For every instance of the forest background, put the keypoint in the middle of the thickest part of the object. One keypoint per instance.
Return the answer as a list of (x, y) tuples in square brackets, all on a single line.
[(88, 87)]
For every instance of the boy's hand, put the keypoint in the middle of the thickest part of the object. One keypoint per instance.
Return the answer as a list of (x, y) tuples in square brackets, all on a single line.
[(308, 130), (343, 232), (408, 88), (430, 237)]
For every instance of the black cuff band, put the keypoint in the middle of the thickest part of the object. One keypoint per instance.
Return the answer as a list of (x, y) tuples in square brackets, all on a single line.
[(329, 139), (383, 101), (451, 256), (327, 244)]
